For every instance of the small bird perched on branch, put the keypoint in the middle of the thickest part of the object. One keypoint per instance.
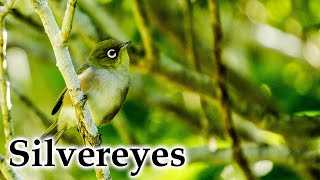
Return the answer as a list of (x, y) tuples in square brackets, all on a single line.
[(104, 79)]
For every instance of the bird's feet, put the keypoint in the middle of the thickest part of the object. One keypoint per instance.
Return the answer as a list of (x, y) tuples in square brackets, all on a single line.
[(83, 101), (85, 97)]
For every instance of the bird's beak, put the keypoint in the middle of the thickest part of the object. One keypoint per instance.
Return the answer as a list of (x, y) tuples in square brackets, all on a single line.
[(124, 45)]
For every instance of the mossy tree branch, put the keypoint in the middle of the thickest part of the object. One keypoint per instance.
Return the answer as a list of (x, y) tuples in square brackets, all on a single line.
[(4, 82), (5, 170), (58, 39)]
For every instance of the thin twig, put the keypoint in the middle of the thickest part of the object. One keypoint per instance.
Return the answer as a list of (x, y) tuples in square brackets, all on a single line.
[(87, 128), (142, 23), (191, 118), (7, 170), (7, 6), (27, 101), (189, 36), (67, 21), (18, 14), (46, 121), (194, 62), (123, 129), (4, 82), (102, 19), (225, 107)]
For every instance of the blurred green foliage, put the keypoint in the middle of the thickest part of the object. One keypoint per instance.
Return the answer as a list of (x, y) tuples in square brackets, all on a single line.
[(274, 44)]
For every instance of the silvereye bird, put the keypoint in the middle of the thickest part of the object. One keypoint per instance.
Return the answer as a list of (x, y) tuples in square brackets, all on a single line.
[(104, 79)]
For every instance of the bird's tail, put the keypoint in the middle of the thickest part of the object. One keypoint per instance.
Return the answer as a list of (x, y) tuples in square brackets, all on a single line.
[(53, 132)]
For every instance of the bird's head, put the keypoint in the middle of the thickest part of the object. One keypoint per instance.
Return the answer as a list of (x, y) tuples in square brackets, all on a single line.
[(109, 54)]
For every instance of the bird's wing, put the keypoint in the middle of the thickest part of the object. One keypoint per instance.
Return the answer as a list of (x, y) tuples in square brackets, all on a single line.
[(83, 68), (60, 98), (59, 102)]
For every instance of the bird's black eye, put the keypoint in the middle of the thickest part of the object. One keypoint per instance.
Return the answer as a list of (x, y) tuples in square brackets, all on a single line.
[(112, 53)]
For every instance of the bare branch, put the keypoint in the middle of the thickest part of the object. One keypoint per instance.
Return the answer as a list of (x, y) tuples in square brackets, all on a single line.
[(64, 62), (87, 128), (67, 21), (225, 107)]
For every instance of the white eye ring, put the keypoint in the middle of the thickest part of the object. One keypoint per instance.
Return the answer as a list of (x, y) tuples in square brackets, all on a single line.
[(111, 53)]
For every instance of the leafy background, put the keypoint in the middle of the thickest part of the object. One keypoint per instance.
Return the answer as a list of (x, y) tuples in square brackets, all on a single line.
[(272, 44)]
